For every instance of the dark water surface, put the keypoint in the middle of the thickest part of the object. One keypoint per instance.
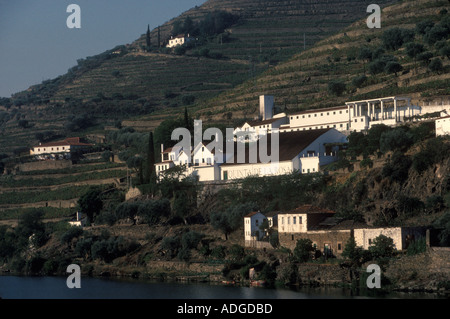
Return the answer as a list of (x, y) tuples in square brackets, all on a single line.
[(16, 287)]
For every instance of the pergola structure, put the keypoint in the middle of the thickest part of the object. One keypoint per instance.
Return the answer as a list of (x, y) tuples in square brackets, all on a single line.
[(359, 107)]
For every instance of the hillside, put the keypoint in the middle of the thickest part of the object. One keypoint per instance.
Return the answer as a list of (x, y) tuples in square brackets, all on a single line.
[(303, 81), (129, 82)]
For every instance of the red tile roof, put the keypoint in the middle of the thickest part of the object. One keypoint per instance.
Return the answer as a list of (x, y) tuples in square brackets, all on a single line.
[(70, 141), (309, 209)]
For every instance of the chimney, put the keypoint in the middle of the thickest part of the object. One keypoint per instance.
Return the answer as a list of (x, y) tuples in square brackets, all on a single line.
[(266, 107), (162, 148), (78, 216)]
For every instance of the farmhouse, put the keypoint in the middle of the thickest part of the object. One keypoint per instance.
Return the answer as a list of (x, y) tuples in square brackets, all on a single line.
[(330, 234), (179, 40), (64, 147)]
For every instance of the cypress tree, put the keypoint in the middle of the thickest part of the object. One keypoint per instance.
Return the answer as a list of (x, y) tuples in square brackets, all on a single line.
[(150, 156), (148, 38), (159, 36)]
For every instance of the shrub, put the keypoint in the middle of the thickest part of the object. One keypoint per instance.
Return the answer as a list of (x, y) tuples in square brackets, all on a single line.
[(382, 247), (396, 139), (69, 235), (303, 250), (397, 167), (359, 81), (417, 247), (336, 87), (436, 65)]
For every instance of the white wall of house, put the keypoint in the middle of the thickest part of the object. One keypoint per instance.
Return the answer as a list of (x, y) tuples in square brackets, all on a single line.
[(238, 171), (251, 227), (205, 173), (337, 118), (292, 223), (443, 126), (309, 164), (39, 150), (364, 237), (202, 156)]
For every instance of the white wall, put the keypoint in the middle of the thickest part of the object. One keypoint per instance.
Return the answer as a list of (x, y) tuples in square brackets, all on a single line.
[(38, 150), (321, 119), (309, 164), (239, 171), (251, 225), (362, 236), (292, 223), (443, 126)]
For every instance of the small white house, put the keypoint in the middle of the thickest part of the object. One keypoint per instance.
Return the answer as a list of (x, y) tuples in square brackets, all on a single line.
[(179, 40), (443, 126), (252, 223), (78, 221)]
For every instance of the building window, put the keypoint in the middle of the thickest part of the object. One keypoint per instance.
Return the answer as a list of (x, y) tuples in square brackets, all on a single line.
[(256, 222), (339, 246), (282, 220), (294, 220), (340, 112), (342, 125), (334, 113), (370, 242), (328, 113), (315, 115), (289, 220), (225, 175), (292, 237), (297, 117), (300, 219), (321, 114), (309, 115)]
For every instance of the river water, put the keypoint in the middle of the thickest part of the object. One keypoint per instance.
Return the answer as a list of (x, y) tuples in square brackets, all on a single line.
[(16, 287)]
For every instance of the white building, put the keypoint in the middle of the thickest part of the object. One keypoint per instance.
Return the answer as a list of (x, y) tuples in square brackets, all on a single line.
[(252, 224), (443, 126), (335, 117), (69, 145), (302, 151), (78, 221), (179, 40)]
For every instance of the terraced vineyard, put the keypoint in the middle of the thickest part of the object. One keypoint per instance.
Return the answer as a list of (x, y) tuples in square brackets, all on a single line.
[(302, 82), (56, 191)]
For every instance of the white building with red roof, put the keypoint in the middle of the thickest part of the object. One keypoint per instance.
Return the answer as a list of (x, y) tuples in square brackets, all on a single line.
[(68, 145)]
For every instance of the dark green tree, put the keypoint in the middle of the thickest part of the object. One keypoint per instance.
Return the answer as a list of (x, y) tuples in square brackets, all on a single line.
[(393, 67), (150, 158), (303, 250), (148, 39), (91, 202), (336, 87)]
